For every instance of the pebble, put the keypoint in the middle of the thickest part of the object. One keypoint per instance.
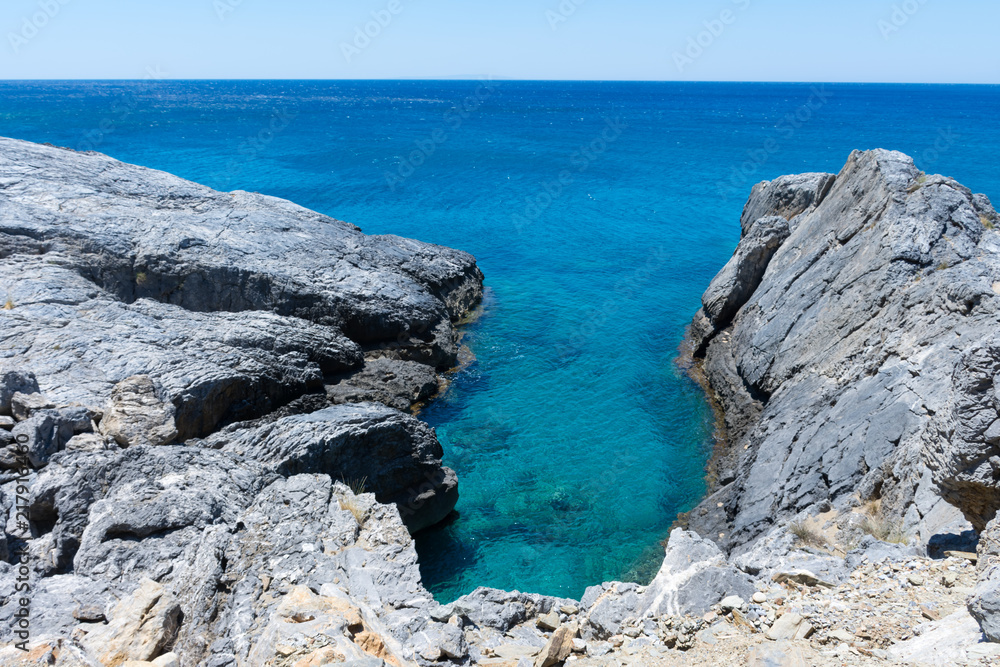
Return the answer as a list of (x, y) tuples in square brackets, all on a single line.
[(760, 598), (732, 602)]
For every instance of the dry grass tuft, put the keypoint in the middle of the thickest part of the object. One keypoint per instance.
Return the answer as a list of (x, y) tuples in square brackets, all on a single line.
[(354, 507), (876, 524), (807, 535)]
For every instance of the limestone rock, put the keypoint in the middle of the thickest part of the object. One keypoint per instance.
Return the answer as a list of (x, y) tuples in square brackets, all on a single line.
[(139, 413), (849, 367), (44, 433), (785, 196), (785, 628), (738, 280), (142, 627), (398, 384), (395, 456), (237, 303), (15, 382), (694, 576), (558, 648), (503, 610), (24, 405), (984, 603)]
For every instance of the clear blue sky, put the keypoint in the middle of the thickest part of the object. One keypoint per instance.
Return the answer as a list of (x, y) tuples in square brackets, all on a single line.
[(759, 40)]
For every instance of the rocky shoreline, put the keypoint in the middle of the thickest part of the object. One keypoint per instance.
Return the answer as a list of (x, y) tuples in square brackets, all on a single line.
[(207, 455)]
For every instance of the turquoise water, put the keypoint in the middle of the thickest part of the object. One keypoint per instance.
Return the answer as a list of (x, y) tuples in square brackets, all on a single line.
[(598, 212)]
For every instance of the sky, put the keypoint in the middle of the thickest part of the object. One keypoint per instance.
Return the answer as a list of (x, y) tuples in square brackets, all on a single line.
[(906, 41)]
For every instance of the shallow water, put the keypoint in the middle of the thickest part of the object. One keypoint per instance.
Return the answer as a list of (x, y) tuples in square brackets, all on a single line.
[(576, 439)]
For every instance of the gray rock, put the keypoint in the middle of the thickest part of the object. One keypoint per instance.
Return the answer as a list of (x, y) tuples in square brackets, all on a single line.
[(25, 405), (164, 311), (963, 447), (503, 610), (398, 384), (871, 550), (984, 603), (777, 551), (842, 372), (694, 576), (14, 382), (393, 455), (139, 413), (785, 196), (738, 280), (44, 433), (235, 302), (608, 609)]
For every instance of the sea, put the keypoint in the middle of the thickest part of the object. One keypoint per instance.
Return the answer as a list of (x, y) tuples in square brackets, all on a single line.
[(598, 211)]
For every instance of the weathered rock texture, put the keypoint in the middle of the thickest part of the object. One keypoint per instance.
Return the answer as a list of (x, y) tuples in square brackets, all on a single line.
[(164, 358), (852, 341)]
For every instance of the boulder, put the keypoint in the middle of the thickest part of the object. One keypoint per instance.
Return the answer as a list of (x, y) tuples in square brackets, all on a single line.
[(558, 648), (15, 382), (43, 434), (139, 413), (24, 405), (694, 576), (368, 445), (143, 626)]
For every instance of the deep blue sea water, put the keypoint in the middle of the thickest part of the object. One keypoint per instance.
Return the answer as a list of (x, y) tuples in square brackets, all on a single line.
[(599, 212)]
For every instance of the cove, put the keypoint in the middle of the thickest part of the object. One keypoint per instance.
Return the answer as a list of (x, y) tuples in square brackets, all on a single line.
[(576, 438)]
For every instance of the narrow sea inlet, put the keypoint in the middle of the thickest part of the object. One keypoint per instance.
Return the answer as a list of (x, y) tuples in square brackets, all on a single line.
[(598, 213)]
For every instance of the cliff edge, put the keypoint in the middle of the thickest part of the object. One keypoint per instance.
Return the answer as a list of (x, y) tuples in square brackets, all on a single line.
[(853, 344)]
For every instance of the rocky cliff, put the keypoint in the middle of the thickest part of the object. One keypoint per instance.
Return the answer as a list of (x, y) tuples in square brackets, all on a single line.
[(188, 431), (852, 342)]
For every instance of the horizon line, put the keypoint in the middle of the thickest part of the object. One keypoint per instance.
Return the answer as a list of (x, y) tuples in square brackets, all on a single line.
[(504, 79)]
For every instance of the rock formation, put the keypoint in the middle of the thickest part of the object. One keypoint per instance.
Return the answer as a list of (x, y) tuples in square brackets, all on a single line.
[(852, 343), (206, 456), (169, 357)]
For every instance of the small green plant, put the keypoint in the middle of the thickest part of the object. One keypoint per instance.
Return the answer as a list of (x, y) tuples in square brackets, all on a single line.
[(942, 266), (876, 524), (987, 223), (917, 184), (807, 535), (141, 278), (357, 486), (9, 305)]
